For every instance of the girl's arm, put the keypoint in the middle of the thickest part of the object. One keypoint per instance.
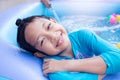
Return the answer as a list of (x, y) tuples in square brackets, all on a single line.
[(106, 61), (91, 65)]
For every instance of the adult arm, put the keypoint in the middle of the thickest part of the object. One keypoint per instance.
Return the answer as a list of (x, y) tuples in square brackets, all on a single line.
[(47, 3)]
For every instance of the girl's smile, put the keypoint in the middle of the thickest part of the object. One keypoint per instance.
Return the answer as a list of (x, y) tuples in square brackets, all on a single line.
[(60, 40), (47, 36)]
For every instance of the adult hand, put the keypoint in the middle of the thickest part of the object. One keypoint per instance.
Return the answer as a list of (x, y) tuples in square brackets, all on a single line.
[(47, 3)]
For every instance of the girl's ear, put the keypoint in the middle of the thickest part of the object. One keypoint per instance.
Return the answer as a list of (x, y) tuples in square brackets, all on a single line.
[(38, 54), (53, 20)]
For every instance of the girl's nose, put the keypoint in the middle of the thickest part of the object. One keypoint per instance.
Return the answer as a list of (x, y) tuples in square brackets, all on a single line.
[(53, 36)]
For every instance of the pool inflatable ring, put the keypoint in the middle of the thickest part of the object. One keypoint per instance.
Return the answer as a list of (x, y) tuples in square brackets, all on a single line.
[(15, 63)]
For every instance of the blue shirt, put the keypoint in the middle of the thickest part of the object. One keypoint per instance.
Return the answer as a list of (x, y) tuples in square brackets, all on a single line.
[(87, 44)]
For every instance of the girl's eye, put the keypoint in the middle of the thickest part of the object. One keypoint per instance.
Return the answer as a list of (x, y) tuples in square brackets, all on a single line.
[(48, 27), (42, 41)]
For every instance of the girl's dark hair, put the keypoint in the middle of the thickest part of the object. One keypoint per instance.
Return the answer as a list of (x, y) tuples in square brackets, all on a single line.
[(22, 24)]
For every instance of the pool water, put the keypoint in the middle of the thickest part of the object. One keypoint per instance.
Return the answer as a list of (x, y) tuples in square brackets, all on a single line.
[(99, 24)]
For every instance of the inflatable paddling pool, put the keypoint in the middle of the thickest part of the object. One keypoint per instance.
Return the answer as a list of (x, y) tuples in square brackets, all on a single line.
[(16, 64)]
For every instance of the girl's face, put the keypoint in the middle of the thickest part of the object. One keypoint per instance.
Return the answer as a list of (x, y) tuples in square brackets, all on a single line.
[(47, 36)]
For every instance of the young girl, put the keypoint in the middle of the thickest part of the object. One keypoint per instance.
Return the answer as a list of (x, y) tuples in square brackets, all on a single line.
[(43, 36)]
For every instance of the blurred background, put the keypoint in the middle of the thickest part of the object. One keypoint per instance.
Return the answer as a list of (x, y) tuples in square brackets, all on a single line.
[(6, 4)]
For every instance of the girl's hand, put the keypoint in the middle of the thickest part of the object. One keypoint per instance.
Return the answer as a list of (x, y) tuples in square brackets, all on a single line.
[(52, 65)]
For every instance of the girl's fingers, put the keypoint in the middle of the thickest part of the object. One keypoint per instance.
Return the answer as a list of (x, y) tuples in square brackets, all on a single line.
[(46, 72), (45, 66), (48, 66)]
